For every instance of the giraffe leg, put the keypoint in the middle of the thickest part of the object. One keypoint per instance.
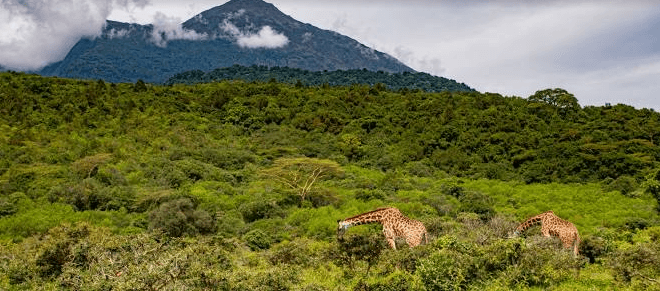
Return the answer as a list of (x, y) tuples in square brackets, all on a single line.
[(410, 241), (390, 238), (392, 243), (413, 240), (576, 245), (545, 232)]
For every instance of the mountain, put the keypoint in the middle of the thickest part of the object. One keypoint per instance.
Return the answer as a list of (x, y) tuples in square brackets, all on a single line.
[(243, 32)]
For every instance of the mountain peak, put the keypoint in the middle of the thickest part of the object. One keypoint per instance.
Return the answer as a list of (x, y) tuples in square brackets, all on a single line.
[(245, 4), (248, 15), (243, 32)]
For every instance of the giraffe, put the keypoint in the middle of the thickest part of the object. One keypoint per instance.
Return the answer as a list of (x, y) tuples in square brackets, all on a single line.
[(395, 224), (551, 224)]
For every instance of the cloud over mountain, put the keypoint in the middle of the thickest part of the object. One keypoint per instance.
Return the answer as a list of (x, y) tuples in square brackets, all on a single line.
[(30, 26), (265, 38), (169, 28)]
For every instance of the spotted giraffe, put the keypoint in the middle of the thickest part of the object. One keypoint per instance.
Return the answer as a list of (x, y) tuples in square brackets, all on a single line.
[(395, 224), (551, 224)]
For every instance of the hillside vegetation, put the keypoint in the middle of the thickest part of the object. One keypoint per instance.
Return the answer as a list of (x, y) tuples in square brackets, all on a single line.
[(238, 186), (383, 80)]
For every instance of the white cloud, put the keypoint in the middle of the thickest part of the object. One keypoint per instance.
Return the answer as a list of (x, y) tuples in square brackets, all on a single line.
[(265, 38), (38, 32), (431, 65), (169, 28), (230, 28), (114, 33)]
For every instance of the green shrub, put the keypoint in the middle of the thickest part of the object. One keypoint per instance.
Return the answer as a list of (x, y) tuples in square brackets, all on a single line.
[(59, 249), (407, 259), (323, 197), (453, 188), (179, 217), (280, 279), (7, 207), (593, 247), (398, 281), (90, 194), (366, 195), (353, 248), (445, 270), (295, 252), (258, 240), (541, 262), (438, 226), (478, 203), (419, 169), (624, 184), (638, 265), (259, 209), (229, 223), (636, 223)]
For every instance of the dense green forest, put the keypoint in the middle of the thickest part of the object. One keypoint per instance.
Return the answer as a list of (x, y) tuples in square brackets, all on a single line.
[(207, 187), (300, 77)]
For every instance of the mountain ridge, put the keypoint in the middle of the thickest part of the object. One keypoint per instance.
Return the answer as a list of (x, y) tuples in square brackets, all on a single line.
[(243, 32)]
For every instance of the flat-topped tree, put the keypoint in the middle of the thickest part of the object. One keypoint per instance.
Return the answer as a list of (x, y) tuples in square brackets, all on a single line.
[(301, 174)]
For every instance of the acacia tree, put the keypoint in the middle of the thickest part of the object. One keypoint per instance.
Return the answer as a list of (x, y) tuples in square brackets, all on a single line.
[(301, 174)]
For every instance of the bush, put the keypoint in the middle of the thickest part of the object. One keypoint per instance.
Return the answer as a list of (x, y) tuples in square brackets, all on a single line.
[(407, 259), (323, 197), (453, 188), (58, 250), (478, 203), (639, 265), (366, 195), (445, 270), (353, 248), (279, 279), (593, 247), (295, 252), (259, 209), (257, 240), (398, 281), (624, 184), (87, 195), (7, 207), (419, 169), (541, 262), (179, 217)]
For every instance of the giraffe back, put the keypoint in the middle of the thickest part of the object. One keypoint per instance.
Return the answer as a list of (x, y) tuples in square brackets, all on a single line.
[(553, 225)]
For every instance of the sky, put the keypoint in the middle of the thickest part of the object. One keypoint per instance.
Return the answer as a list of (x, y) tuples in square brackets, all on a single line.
[(600, 51)]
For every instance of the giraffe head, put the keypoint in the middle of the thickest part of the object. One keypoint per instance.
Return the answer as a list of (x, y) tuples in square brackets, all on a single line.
[(342, 226), (514, 234)]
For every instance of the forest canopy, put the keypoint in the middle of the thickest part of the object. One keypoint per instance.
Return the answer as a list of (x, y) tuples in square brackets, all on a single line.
[(300, 77), (236, 185)]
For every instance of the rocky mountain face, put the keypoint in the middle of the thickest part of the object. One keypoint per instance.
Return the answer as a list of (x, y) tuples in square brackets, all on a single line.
[(243, 32)]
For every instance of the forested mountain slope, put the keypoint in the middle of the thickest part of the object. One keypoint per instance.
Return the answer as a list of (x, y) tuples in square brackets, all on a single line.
[(391, 81), (141, 186), (244, 32)]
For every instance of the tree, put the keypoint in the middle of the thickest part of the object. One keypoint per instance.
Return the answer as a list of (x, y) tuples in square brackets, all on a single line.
[(558, 98), (301, 174)]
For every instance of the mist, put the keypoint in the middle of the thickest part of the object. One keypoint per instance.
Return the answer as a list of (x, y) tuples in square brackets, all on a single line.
[(30, 26)]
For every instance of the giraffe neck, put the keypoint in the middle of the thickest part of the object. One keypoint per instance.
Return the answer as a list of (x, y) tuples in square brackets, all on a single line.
[(534, 220), (375, 216)]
